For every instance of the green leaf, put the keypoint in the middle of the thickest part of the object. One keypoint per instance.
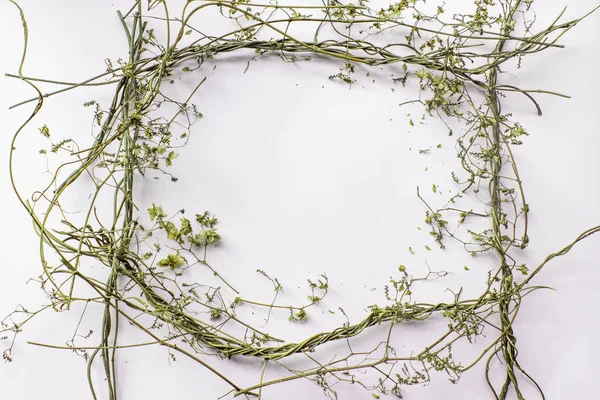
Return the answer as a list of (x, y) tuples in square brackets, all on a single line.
[(434, 188), (156, 212), (410, 249), (186, 227), (44, 130), (523, 269), (172, 261), (314, 299), (172, 231), (204, 238), (161, 149), (299, 316), (205, 220), (169, 160), (211, 236)]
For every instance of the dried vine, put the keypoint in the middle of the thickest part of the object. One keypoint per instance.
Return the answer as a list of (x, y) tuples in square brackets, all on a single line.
[(147, 258)]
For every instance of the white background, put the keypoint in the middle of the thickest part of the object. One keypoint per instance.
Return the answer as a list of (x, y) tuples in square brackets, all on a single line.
[(307, 177)]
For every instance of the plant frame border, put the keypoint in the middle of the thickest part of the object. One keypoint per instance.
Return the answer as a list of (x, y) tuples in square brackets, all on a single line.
[(130, 142)]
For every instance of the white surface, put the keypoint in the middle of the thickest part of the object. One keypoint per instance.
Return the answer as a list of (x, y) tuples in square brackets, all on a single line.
[(328, 194)]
